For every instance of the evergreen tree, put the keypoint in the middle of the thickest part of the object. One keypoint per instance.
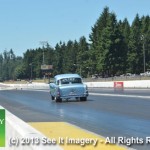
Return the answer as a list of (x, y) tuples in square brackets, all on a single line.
[(135, 53), (82, 57), (145, 33), (58, 64), (96, 37)]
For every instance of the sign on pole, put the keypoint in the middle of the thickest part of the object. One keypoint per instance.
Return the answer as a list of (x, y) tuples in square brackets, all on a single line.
[(46, 67)]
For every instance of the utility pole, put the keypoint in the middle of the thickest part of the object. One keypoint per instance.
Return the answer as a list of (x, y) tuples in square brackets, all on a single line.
[(31, 72), (143, 39), (43, 43)]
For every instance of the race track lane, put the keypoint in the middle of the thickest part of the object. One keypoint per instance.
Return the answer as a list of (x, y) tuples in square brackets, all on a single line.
[(103, 115)]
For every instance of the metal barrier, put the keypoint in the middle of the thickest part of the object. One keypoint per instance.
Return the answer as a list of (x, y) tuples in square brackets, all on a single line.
[(116, 78), (17, 130)]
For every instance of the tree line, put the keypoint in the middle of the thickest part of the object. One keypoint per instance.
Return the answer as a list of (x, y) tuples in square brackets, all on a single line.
[(113, 48)]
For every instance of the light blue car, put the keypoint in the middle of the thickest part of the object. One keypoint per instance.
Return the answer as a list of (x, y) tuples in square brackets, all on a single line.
[(68, 86)]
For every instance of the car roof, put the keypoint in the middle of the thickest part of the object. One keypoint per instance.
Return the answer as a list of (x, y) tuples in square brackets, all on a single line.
[(60, 76)]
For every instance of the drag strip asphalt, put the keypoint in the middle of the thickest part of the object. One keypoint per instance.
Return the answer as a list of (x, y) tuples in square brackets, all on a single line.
[(106, 114)]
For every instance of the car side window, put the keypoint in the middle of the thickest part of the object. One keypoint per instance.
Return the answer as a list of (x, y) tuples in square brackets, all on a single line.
[(57, 82), (65, 81)]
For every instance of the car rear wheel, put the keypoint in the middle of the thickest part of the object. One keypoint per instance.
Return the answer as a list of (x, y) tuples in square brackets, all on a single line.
[(58, 99), (83, 98)]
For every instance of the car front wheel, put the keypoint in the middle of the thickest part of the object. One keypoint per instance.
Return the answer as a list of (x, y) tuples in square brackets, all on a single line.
[(83, 98), (52, 97)]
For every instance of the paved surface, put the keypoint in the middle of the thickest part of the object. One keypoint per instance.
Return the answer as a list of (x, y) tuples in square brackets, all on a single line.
[(103, 115), (73, 138)]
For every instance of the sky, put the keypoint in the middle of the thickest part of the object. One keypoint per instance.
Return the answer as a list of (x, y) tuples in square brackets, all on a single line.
[(25, 23)]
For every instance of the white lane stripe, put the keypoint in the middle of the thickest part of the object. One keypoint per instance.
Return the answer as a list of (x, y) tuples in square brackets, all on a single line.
[(35, 90), (126, 89), (119, 95), (110, 95), (99, 94)]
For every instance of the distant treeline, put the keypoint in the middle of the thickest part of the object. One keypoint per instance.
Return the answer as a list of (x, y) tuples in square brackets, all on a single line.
[(113, 48)]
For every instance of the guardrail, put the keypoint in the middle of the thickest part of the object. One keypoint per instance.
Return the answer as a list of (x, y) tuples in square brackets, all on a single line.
[(117, 78), (96, 83), (24, 86), (126, 84), (18, 129)]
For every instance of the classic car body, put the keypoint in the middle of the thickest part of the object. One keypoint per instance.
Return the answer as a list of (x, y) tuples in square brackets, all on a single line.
[(67, 86)]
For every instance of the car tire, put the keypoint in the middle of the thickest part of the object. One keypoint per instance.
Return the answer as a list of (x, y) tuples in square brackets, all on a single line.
[(83, 98), (52, 97), (58, 100)]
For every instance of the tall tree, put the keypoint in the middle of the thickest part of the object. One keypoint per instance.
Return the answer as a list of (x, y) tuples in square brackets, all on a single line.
[(58, 64), (97, 52), (83, 57), (145, 31), (135, 53)]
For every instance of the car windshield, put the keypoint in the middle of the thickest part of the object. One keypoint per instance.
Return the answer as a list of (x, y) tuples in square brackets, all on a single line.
[(71, 80)]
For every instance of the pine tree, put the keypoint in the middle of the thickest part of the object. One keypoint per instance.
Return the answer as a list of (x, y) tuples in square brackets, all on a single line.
[(135, 53)]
